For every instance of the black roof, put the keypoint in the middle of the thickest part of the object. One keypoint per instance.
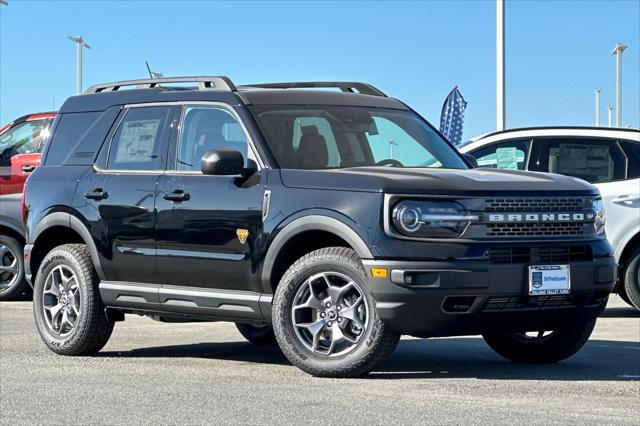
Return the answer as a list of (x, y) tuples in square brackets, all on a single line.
[(221, 89)]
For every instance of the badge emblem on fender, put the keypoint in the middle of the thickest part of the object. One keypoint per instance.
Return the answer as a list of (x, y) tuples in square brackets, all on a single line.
[(242, 235)]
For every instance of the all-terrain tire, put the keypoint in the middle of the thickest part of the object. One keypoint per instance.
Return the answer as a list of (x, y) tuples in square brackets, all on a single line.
[(631, 277), (11, 252), (560, 344), (92, 329), (375, 345), (261, 335)]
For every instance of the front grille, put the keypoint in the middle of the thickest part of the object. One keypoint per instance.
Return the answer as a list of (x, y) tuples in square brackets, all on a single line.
[(518, 303), (540, 229), (563, 204), (552, 254)]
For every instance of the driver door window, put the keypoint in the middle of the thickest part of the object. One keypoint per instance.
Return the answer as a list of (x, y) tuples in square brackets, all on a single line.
[(206, 128), (511, 155)]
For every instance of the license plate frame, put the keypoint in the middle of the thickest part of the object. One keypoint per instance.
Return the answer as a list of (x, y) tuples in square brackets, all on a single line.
[(547, 280)]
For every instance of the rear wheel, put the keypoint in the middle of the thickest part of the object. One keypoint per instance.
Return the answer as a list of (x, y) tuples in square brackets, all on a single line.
[(69, 313), (541, 346), (257, 334), (631, 279), (12, 281), (324, 316)]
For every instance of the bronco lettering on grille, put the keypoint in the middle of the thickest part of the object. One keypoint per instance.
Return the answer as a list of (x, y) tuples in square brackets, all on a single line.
[(540, 217)]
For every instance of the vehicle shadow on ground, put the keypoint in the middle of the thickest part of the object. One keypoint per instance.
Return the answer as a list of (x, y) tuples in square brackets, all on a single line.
[(469, 357), (621, 313), (466, 357)]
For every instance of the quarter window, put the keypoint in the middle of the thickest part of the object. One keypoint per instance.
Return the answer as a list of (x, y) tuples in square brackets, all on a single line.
[(208, 128), (137, 143)]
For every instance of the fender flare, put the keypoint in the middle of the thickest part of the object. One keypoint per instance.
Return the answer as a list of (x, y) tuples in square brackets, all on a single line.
[(622, 245), (311, 223), (69, 221), (12, 227)]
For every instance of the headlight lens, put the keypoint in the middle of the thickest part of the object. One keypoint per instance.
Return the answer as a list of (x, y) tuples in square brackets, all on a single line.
[(599, 216), (430, 219)]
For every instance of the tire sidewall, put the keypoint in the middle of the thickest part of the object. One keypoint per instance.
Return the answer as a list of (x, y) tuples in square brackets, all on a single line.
[(55, 342), (631, 277), (17, 251), (284, 325)]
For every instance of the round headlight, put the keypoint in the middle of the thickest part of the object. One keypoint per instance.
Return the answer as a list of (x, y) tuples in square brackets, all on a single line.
[(408, 218)]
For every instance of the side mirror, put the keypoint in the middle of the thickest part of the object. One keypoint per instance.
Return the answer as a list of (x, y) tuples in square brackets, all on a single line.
[(5, 156), (471, 159), (224, 162)]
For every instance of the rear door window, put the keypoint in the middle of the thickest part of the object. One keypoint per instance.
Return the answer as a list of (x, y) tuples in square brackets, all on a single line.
[(593, 160), (138, 142)]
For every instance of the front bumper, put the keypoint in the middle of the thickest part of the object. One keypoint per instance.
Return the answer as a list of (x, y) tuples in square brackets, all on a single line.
[(468, 297)]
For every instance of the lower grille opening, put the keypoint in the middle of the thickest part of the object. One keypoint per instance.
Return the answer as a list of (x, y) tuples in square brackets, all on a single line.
[(458, 304), (517, 303), (540, 254)]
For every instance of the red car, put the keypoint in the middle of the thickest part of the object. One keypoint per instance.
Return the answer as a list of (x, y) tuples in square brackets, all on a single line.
[(21, 143)]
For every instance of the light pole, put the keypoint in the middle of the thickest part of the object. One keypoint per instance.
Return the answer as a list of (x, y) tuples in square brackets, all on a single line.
[(500, 92), (609, 109), (391, 145), (80, 43), (597, 91), (4, 2), (618, 52)]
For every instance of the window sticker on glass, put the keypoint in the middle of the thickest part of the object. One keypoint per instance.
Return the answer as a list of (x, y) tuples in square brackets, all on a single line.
[(507, 158), (137, 141)]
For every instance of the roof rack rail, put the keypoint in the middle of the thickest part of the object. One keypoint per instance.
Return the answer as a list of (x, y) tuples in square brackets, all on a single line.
[(345, 86), (204, 83)]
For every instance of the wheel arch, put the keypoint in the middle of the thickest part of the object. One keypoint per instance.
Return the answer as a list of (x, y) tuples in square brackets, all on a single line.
[(11, 231), (56, 229), (628, 245), (308, 233)]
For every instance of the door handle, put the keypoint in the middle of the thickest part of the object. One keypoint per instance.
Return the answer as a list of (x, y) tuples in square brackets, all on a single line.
[(27, 168), (177, 196), (96, 194), (626, 199)]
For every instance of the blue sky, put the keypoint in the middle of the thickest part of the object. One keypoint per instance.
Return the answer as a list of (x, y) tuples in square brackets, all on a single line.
[(558, 52)]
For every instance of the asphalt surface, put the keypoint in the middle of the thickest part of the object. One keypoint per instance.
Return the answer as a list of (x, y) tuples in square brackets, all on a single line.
[(155, 373)]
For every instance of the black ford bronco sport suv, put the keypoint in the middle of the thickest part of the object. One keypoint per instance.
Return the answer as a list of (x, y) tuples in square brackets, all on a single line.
[(328, 222)]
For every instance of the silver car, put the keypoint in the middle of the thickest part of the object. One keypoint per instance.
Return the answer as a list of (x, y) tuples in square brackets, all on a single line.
[(608, 158)]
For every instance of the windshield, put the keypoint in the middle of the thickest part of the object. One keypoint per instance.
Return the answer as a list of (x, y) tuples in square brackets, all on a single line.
[(325, 137)]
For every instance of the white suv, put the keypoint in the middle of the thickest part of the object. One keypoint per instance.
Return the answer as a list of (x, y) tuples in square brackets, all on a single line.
[(608, 158)]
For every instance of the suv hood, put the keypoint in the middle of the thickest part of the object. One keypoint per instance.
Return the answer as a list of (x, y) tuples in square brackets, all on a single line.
[(434, 181)]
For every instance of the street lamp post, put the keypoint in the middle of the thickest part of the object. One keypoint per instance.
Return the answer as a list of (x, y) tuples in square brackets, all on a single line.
[(80, 43), (609, 109), (500, 87), (597, 91), (617, 50)]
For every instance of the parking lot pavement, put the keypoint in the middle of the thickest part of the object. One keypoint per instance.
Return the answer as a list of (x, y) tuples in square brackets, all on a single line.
[(198, 373)]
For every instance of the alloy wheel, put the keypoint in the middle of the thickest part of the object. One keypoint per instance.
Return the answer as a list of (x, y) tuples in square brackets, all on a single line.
[(61, 299), (330, 314), (9, 268)]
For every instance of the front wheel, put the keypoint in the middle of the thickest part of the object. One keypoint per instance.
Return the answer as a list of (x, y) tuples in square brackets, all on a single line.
[(12, 281), (541, 346), (631, 279), (324, 316)]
